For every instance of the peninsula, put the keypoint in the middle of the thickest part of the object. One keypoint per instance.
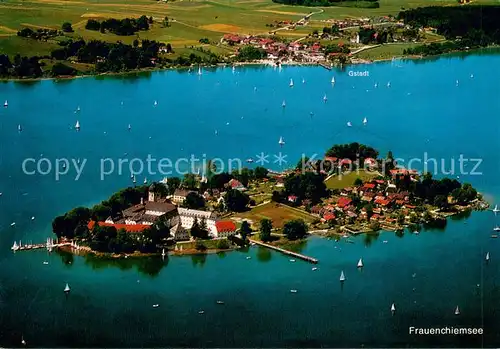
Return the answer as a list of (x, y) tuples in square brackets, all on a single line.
[(350, 191)]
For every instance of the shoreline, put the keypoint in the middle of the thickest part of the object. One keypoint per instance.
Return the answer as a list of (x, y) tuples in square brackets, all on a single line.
[(264, 62)]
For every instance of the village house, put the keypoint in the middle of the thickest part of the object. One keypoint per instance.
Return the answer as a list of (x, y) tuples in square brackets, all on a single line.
[(236, 184), (180, 195), (224, 229)]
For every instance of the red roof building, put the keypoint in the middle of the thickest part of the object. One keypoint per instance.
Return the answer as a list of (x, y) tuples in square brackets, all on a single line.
[(328, 216), (345, 162), (343, 202), (225, 227)]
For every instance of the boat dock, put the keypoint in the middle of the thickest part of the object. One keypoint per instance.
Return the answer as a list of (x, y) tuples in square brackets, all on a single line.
[(327, 67), (289, 253), (39, 246)]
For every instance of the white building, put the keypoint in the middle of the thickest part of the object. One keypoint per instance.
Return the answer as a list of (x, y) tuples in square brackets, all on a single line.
[(224, 229), (180, 195), (179, 233), (187, 217)]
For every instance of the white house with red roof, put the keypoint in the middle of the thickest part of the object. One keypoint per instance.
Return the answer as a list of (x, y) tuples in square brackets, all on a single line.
[(236, 184), (224, 229)]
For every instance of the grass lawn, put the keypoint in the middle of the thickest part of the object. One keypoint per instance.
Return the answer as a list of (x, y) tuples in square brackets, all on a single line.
[(279, 214), (347, 180)]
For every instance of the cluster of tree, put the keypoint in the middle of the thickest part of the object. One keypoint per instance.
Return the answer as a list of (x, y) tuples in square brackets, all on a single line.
[(126, 26), (434, 48), (372, 36), (107, 56), (472, 26), (199, 230), (38, 34), (21, 67), (352, 151), (333, 30), (60, 69), (208, 57), (325, 3), (465, 194), (236, 201), (244, 175), (194, 201), (66, 27), (308, 185), (336, 49), (250, 53), (295, 229), (204, 41)]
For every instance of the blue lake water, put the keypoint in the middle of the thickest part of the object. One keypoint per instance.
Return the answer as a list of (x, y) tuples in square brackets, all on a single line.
[(423, 111)]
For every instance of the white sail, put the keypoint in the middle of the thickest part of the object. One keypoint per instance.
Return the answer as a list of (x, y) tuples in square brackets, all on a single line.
[(365, 121), (14, 247), (134, 180), (281, 141), (163, 252), (342, 276), (457, 82), (77, 125), (19, 128), (67, 289), (199, 71), (457, 311), (389, 84), (6, 104), (325, 98), (360, 263), (145, 180), (155, 103), (393, 308), (283, 104), (234, 69), (333, 79), (303, 80), (376, 85), (487, 256), (496, 209), (129, 127), (349, 124), (291, 82)]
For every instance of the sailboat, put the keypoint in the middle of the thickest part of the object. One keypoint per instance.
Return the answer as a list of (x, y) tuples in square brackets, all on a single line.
[(155, 103), (293, 291), (360, 263), (234, 69), (216, 132), (393, 308), (15, 247), (163, 252), (129, 127), (389, 84), (457, 311), (342, 276), (283, 104), (497, 228), (134, 180), (376, 85), (291, 82), (67, 289), (333, 80), (456, 83), (145, 180), (19, 128), (303, 80), (365, 121), (281, 142), (23, 342), (495, 209), (349, 124), (324, 98), (487, 256), (199, 71), (472, 76), (6, 104), (77, 125)]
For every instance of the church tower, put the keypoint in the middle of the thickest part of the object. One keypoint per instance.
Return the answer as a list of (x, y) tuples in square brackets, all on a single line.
[(151, 194)]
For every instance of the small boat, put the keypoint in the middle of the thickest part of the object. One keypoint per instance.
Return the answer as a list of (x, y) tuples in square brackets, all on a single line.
[(349, 124), (220, 302), (472, 76), (233, 69), (385, 241), (393, 308), (145, 180), (155, 103), (19, 128), (303, 80), (45, 262), (314, 268), (32, 218), (249, 160), (293, 291), (163, 252), (360, 263), (365, 121), (129, 127), (487, 258), (389, 84), (325, 98), (456, 83), (134, 180), (248, 257), (495, 209), (255, 89), (333, 80), (497, 228), (292, 260), (291, 82), (14, 247), (416, 232), (216, 132), (283, 104), (457, 311), (281, 142), (342, 277), (376, 85), (199, 71), (201, 312), (23, 342), (156, 305), (6, 104), (77, 125), (494, 236), (67, 289)]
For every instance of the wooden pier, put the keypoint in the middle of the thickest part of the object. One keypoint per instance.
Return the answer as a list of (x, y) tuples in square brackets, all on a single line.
[(327, 67), (289, 253)]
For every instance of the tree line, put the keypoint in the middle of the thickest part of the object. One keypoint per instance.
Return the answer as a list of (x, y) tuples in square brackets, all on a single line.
[(326, 3), (125, 26)]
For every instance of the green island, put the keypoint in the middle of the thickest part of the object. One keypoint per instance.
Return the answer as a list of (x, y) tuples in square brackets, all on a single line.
[(351, 191), (62, 39)]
